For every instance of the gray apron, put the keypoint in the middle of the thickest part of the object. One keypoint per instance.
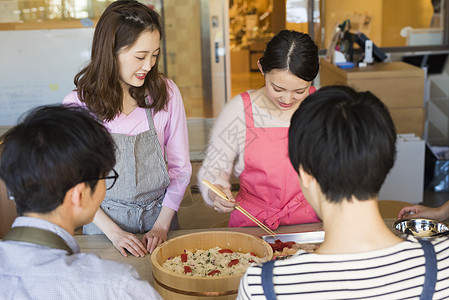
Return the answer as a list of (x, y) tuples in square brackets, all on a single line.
[(135, 201)]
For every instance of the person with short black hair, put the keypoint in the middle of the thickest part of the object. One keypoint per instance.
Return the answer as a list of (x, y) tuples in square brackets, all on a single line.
[(55, 164), (342, 143), (249, 139)]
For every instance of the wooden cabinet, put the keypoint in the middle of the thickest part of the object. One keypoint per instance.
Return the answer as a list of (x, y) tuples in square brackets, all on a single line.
[(7, 211), (399, 85)]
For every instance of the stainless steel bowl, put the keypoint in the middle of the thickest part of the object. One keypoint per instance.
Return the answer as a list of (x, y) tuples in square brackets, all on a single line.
[(422, 228)]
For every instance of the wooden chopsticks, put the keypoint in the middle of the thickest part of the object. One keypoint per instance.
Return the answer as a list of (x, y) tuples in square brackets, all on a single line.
[(240, 209)]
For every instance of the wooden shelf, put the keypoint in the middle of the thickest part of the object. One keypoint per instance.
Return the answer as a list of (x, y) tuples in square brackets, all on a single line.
[(39, 25), (399, 85)]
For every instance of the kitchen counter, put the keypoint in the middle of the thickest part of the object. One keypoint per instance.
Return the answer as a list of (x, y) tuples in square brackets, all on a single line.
[(100, 245)]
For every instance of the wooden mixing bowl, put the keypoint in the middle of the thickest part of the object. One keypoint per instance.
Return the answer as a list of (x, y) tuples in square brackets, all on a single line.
[(174, 286)]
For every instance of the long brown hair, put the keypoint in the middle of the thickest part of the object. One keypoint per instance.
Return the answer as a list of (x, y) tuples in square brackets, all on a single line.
[(98, 84)]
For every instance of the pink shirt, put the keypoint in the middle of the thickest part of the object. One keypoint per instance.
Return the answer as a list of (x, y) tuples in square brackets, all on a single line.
[(171, 129)]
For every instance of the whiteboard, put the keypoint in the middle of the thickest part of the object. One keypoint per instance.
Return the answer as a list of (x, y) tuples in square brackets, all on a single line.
[(37, 67)]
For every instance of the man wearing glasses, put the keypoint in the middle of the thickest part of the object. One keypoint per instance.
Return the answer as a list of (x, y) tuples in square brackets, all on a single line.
[(57, 164)]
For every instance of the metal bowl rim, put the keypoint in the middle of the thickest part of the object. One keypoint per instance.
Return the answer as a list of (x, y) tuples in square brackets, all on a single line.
[(411, 219), (432, 221)]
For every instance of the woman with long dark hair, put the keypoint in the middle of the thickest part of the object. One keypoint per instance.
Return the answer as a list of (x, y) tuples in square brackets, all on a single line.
[(144, 111)]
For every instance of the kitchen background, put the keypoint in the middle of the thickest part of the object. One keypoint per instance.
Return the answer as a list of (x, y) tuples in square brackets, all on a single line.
[(210, 50)]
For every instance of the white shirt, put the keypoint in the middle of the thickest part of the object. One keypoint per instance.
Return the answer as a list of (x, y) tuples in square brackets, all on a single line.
[(30, 271)]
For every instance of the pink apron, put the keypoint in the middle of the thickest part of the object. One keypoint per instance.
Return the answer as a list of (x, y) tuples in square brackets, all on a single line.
[(269, 185)]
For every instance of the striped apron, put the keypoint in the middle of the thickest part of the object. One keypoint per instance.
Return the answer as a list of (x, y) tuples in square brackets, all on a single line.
[(135, 201)]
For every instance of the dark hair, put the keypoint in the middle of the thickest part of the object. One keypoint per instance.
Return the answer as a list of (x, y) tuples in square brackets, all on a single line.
[(51, 150), (118, 28), (294, 52), (345, 139)]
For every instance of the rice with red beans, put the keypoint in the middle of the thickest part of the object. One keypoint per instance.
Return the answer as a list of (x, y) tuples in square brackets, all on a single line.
[(211, 262)]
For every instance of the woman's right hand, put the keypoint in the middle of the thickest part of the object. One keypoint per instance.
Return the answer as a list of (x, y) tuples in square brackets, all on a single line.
[(420, 211), (123, 241), (220, 204)]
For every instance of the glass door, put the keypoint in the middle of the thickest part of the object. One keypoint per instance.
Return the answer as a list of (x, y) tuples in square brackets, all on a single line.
[(195, 54)]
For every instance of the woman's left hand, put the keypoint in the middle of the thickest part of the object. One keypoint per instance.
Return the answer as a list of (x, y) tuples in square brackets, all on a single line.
[(154, 238), (158, 234)]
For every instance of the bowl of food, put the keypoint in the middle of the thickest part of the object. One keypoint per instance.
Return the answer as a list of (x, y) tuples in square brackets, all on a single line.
[(206, 264), (422, 228)]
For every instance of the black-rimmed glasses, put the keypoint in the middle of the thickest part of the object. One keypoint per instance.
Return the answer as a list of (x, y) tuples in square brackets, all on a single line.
[(110, 180)]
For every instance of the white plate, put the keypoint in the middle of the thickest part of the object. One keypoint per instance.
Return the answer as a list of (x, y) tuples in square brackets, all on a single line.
[(300, 237)]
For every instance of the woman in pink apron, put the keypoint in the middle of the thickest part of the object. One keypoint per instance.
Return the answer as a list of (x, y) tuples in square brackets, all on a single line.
[(250, 138), (145, 114)]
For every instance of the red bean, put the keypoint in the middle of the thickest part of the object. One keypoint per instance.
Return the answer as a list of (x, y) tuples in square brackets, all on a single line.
[(233, 262), (225, 251), (213, 272)]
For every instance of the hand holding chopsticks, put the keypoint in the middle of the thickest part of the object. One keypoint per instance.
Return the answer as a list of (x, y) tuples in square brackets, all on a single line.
[(221, 197), (240, 209)]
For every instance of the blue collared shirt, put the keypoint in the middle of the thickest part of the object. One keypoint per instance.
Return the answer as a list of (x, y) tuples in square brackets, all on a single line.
[(30, 271)]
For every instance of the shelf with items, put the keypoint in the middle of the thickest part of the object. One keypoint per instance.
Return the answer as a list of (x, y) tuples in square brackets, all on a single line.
[(42, 14), (399, 85), (438, 121), (438, 108)]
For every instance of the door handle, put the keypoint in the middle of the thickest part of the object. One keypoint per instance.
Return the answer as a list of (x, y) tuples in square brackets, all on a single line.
[(217, 56)]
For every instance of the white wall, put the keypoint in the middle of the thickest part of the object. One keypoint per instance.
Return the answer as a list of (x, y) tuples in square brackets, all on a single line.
[(37, 67)]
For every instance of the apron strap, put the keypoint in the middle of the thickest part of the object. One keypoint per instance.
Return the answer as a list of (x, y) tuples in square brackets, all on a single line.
[(248, 107), (37, 236), (151, 127), (430, 278), (267, 280)]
